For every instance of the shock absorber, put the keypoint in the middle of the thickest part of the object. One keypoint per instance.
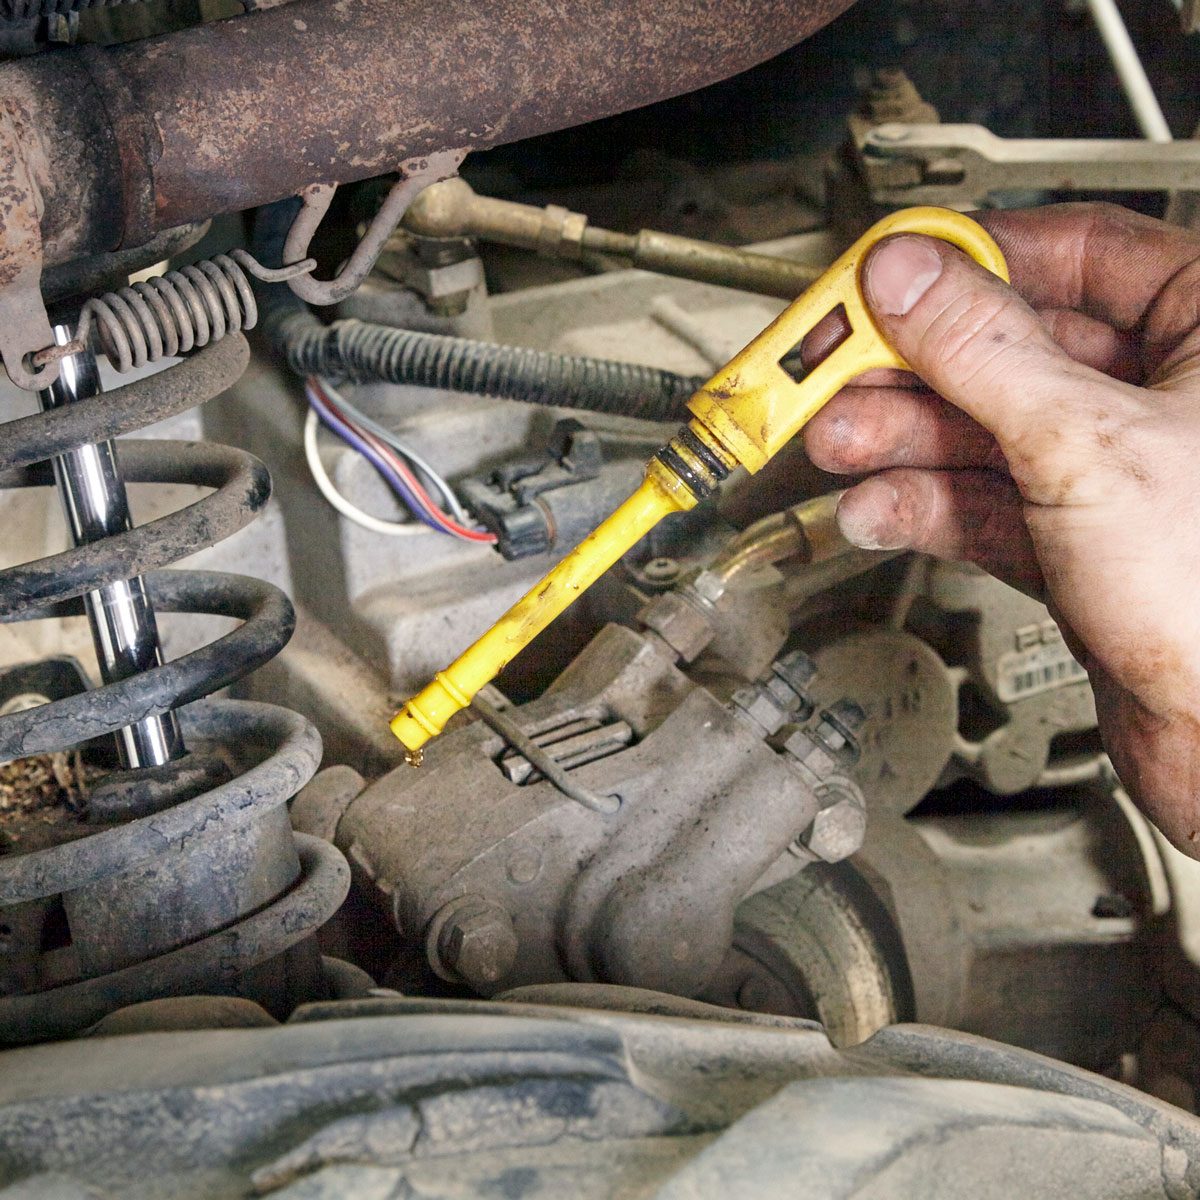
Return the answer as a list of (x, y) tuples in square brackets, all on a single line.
[(186, 876), (122, 620)]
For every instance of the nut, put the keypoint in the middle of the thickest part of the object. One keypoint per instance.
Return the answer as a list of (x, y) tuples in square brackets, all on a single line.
[(661, 570), (681, 625), (809, 753), (830, 736), (761, 707), (709, 586), (796, 669), (476, 943), (837, 727), (560, 232), (443, 271), (838, 830)]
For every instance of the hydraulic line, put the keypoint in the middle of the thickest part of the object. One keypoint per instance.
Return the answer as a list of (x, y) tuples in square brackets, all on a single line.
[(452, 208)]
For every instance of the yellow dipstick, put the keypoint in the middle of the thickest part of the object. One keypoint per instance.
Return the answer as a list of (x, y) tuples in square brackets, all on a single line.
[(743, 415)]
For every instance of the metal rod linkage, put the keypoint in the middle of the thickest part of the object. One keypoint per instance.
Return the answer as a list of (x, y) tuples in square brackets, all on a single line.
[(1132, 75)]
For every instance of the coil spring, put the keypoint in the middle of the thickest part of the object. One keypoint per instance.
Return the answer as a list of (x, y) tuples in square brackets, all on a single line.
[(171, 314), (178, 312), (194, 895)]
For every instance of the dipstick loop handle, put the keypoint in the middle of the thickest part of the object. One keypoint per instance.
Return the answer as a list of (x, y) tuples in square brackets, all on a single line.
[(748, 411)]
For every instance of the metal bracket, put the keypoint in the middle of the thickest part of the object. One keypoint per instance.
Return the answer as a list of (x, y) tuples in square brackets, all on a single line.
[(24, 325), (958, 166), (416, 174)]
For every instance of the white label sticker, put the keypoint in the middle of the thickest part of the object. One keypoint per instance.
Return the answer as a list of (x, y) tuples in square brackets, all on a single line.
[(1024, 673)]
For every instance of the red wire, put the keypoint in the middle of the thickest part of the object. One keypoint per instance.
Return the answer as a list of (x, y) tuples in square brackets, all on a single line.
[(402, 468)]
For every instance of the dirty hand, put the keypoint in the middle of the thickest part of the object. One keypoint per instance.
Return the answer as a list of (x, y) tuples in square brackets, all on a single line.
[(1057, 445)]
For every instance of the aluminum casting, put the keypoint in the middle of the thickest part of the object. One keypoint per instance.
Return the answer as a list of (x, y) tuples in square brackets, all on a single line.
[(507, 880)]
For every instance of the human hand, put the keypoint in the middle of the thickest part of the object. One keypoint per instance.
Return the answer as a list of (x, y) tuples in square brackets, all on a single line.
[(1054, 441)]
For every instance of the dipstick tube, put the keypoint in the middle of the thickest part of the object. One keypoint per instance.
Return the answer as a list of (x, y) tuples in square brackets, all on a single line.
[(743, 416)]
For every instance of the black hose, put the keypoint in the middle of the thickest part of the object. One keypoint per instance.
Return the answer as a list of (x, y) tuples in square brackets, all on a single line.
[(360, 351)]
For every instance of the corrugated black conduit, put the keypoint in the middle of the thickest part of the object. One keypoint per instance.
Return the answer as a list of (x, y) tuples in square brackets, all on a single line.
[(360, 351)]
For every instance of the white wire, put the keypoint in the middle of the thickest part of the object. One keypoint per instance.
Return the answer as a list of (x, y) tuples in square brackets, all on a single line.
[(350, 511), (386, 435), (1130, 72)]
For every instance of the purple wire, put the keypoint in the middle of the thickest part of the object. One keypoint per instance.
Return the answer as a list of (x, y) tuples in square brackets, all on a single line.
[(351, 438)]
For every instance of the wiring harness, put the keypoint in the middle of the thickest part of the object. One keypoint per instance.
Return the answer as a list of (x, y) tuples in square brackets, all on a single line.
[(398, 464)]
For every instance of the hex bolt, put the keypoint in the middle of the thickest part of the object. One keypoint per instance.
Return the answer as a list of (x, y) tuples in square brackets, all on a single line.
[(838, 829), (810, 755), (476, 942), (436, 252), (757, 705), (679, 623), (708, 587), (787, 688)]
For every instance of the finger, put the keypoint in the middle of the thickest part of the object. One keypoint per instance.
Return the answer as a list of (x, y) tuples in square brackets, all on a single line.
[(1093, 260), (1100, 259), (825, 336), (865, 429), (1095, 344), (975, 342), (965, 516)]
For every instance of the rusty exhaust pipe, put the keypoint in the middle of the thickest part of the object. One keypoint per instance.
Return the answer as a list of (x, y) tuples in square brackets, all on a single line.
[(127, 141)]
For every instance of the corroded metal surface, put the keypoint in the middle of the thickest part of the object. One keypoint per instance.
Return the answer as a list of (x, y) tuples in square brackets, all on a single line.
[(240, 112), (23, 322), (184, 881), (415, 175)]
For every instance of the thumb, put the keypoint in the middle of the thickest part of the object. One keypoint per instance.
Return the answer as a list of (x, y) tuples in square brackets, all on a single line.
[(969, 336)]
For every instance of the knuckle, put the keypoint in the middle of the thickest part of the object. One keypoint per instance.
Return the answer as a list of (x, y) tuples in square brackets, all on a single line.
[(1092, 442), (975, 337), (1106, 216)]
